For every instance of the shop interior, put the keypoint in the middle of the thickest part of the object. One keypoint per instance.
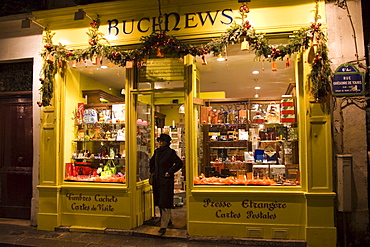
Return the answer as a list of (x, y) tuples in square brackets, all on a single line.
[(234, 81)]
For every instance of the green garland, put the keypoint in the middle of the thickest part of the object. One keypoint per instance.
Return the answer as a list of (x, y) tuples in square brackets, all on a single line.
[(157, 44)]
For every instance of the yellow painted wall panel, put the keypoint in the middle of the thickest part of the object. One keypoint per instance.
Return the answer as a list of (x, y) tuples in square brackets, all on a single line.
[(230, 214), (320, 210), (98, 221), (320, 175), (48, 154), (319, 237), (94, 201)]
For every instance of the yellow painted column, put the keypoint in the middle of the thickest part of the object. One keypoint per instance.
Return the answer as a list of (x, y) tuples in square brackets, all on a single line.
[(316, 165), (50, 144), (190, 127), (131, 154)]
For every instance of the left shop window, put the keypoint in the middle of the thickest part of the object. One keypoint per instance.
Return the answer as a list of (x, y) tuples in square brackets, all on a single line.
[(99, 145)]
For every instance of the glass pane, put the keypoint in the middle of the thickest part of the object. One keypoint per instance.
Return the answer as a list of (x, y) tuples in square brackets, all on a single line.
[(249, 143), (99, 144), (143, 136)]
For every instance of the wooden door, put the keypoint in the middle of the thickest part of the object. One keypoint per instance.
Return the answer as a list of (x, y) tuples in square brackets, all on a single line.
[(16, 155)]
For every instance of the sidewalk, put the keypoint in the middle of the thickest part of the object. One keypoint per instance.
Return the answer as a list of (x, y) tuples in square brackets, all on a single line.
[(20, 233)]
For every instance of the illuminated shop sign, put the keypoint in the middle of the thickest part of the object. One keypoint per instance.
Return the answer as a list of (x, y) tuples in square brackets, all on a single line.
[(170, 22), (347, 81)]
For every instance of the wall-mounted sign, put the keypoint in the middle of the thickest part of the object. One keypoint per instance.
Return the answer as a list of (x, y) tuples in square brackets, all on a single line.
[(162, 70), (94, 203), (172, 22), (347, 81), (248, 210)]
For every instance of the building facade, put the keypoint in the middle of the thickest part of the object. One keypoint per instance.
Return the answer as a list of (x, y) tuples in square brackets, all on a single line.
[(222, 177)]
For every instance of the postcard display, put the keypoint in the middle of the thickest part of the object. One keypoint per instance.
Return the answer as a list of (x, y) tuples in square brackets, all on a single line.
[(248, 143), (99, 146)]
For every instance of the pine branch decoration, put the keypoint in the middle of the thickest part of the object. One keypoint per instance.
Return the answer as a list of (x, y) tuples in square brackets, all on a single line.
[(56, 57)]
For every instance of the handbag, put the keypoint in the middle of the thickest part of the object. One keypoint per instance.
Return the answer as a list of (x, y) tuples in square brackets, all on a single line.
[(109, 168)]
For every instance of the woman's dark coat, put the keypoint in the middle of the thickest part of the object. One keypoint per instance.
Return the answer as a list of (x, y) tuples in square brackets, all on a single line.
[(164, 160)]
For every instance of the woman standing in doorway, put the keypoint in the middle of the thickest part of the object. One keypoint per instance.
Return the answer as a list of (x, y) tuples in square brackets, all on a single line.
[(163, 166)]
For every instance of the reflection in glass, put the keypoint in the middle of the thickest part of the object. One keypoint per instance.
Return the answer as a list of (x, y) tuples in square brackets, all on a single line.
[(143, 137)]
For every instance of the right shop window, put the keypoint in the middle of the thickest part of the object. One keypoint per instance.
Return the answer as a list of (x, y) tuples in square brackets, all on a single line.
[(249, 142)]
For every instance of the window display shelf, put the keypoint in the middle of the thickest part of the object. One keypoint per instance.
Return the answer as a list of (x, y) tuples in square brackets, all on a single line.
[(228, 147), (100, 123), (271, 165), (96, 158), (99, 140)]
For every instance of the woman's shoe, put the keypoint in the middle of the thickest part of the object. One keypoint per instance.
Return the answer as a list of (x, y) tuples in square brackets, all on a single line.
[(162, 231)]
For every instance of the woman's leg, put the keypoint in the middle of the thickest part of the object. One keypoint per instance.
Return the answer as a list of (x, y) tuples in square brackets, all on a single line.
[(165, 218)]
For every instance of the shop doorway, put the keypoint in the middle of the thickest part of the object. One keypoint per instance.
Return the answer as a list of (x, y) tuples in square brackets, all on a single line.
[(170, 119), (16, 155)]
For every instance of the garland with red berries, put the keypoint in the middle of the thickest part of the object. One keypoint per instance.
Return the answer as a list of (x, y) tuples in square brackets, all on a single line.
[(56, 57)]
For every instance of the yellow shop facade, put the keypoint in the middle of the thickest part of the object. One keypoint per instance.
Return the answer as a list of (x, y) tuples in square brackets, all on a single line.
[(255, 139)]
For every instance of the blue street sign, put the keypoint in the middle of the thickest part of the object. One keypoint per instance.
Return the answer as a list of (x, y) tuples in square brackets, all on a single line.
[(347, 81)]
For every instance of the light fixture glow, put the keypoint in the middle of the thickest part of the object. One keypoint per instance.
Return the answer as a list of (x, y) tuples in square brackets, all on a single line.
[(286, 95), (255, 72), (65, 42), (257, 88), (220, 58), (111, 37), (256, 95), (182, 109), (104, 67)]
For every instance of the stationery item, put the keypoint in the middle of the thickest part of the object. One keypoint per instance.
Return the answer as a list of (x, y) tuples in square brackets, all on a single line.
[(118, 113)]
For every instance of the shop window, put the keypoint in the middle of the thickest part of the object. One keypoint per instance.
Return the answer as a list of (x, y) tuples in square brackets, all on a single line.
[(249, 143), (248, 122), (99, 143)]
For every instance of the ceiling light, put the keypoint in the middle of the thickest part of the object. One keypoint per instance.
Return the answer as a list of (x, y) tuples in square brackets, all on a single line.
[(257, 88), (255, 72), (104, 67), (256, 95), (286, 95)]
